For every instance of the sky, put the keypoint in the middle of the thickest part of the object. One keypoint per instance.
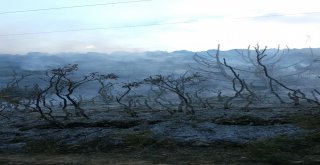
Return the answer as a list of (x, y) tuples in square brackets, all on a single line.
[(195, 25)]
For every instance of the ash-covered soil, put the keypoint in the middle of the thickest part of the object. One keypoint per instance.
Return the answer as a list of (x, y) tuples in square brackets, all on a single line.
[(226, 132)]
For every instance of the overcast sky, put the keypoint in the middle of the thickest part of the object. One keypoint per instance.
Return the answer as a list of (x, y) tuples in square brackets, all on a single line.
[(231, 23)]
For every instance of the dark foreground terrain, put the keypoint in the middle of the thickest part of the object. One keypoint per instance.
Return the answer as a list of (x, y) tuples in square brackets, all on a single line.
[(170, 155), (260, 135)]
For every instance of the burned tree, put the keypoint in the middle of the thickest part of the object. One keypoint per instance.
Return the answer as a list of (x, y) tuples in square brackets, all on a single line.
[(294, 94), (275, 64), (106, 88), (41, 102), (13, 95), (177, 86), (125, 101), (249, 96), (258, 74), (61, 84), (211, 64)]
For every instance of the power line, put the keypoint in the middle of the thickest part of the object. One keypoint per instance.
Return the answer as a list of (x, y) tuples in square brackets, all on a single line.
[(143, 25), (95, 29), (279, 15), (70, 7)]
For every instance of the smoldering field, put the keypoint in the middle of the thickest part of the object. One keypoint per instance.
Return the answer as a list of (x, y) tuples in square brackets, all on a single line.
[(97, 102), (296, 69)]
